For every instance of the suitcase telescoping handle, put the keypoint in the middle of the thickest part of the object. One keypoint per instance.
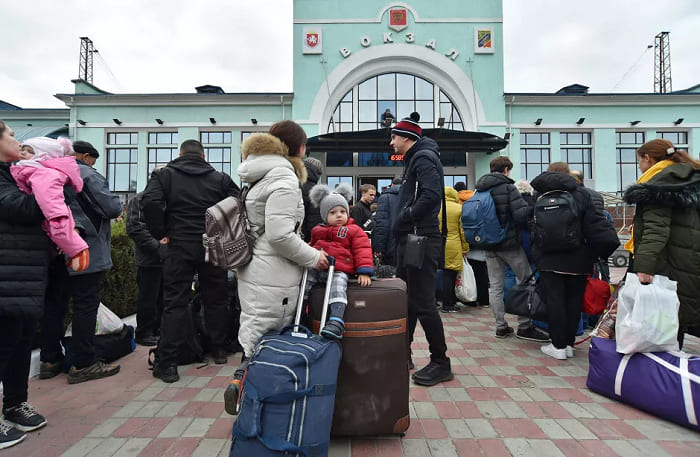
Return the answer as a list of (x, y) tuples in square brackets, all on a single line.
[(326, 296)]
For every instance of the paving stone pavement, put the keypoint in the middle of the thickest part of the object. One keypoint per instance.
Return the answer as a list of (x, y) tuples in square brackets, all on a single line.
[(507, 399)]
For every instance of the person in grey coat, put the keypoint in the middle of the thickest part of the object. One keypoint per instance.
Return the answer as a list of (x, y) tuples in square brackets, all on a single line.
[(92, 209)]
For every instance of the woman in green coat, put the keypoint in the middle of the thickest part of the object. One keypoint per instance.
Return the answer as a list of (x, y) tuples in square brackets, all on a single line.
[(666, 234), (455, 247)]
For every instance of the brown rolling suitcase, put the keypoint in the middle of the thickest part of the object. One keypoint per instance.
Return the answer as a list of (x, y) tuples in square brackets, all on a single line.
[(372, 394)]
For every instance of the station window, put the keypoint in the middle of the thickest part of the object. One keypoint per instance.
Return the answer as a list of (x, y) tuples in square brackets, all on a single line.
[(122, 153), (334, 181), (450, 180), (576, 151), (217, 149), (534, 154), (679, 139), (626, 158), (363, 107), (453, 159), (162, 148), (339, 159)]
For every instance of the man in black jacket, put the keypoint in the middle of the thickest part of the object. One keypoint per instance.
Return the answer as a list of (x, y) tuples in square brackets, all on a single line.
[(419, 203), (361, 212), (174, 203), (512, 213), (149, 274)]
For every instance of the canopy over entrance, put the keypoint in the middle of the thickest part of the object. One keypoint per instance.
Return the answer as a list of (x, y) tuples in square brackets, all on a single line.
[(378, 141)]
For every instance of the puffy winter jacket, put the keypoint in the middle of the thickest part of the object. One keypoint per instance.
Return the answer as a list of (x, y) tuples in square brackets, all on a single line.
[(667, 233), (45, 180), (349, 245), (422, 191), (268, 286), (511, 209), (24, 251), (147, 250), (455, 245), (599, 237), (93, 209), (387, 210), (178, 195)]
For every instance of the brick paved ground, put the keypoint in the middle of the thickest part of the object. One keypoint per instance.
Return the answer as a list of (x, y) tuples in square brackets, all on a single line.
[(506, 399)]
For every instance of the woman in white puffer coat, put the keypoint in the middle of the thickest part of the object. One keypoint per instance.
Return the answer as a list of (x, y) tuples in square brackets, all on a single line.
[(268, 286)]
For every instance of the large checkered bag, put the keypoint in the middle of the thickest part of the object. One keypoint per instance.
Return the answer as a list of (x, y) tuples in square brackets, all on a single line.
[(666, 384)]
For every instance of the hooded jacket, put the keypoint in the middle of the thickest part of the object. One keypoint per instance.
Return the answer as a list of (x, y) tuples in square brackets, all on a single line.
[(349, 245), (422, 191), (24, 247), (599, 237), (147, 250), (178, 195), (93, 210), (312, 217), (511, 209), (268, 286), (455, 244), (667, 233), (387, 210), (45, 181)]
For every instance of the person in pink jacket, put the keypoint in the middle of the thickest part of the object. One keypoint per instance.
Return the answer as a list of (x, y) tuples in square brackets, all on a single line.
[(44, 176)]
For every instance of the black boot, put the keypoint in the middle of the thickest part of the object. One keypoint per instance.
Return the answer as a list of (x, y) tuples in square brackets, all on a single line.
[(433, 373), (233, 390)]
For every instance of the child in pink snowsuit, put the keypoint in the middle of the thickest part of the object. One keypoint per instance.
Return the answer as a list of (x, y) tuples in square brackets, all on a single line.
[(44, 176)]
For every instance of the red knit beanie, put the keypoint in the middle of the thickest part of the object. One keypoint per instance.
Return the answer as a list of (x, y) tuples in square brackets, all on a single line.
[(409, 127)]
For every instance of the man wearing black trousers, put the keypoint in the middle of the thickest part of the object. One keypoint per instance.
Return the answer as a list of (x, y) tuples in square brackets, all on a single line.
[(92, 210), (420, 200), (174, 204), (149, 274)]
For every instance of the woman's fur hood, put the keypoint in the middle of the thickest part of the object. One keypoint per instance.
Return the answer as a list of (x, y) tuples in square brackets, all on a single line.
[(261, 144), (677, 186)]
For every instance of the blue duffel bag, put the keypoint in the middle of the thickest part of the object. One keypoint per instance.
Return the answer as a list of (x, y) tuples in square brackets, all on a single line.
[(288, 396), (286, 405)]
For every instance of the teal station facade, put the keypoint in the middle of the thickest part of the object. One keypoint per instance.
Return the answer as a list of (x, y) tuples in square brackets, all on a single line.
[(353, 61)]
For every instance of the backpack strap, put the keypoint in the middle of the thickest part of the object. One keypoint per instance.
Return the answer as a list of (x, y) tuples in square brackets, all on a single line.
[(244, 193)]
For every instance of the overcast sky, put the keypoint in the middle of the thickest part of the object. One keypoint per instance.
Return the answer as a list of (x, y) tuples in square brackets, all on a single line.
[(174, 45)]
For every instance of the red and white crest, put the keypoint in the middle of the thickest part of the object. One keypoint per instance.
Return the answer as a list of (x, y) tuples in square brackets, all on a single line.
[(312, 39), (398, 19)]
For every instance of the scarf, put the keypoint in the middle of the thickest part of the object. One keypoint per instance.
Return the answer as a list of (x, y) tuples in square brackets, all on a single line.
[(646, 177)]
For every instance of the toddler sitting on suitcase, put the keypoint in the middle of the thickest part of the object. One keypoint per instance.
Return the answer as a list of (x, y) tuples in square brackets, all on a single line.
[(341, 238)]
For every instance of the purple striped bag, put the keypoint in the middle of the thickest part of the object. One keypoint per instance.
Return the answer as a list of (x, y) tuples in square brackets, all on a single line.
[(665, 384)]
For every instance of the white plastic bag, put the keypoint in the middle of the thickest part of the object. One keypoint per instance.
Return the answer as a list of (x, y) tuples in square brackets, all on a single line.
[(465, 285), (647, 316), (106, 324)]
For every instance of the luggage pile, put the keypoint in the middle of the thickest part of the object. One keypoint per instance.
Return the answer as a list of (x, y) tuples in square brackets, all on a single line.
[(666, 382)]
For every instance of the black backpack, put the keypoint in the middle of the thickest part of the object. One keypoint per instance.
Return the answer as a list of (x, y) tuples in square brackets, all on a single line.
[(557, 226)]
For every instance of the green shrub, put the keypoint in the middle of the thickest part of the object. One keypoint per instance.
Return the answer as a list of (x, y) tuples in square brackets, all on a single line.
[(119, 287)]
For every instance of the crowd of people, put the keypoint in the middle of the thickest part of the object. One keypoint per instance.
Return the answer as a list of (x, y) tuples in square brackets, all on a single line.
[(55, 213)]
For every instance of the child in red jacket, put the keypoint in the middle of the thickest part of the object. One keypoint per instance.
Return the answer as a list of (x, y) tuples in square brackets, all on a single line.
[(339, 237)]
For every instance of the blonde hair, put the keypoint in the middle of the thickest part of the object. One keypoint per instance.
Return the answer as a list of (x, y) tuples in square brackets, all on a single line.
[(524, 187)]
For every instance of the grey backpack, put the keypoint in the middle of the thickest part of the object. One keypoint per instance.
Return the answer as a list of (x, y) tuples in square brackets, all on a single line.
[(228, 241)]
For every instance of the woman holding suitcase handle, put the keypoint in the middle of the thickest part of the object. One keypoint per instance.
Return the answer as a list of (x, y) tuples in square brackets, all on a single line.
[(268, 286)]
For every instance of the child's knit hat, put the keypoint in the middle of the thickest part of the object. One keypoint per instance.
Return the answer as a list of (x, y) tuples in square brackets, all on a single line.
[(323, 198), (49, 148)]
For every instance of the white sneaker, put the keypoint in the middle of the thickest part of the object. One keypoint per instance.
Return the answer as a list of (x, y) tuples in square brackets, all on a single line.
[(550, 350), (569, 352)]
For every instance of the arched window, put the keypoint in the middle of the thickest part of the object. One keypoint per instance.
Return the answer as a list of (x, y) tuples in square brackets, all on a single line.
[(365, 105)]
